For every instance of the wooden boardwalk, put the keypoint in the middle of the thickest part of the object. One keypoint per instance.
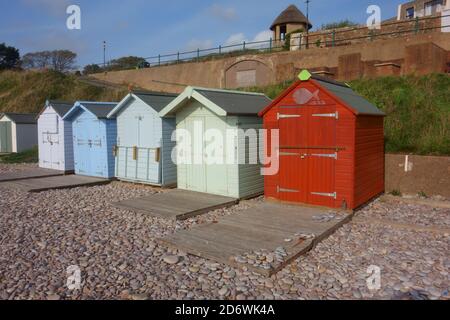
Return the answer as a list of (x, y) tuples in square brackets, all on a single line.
[(52, 183), (176, 204), (29, 173), (267, 226)]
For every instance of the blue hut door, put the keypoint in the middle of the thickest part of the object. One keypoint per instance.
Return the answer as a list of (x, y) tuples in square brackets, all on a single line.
[(147, 164), (97, 142), (82, 139)]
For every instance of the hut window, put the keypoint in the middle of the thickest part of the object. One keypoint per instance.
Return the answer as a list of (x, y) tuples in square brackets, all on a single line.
[(283, 31)]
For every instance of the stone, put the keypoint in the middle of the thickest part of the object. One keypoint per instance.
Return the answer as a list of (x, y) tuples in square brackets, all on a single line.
[(171, 259), (223, 292)]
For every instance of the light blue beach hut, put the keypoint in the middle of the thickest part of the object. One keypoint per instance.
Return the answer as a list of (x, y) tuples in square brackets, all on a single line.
[(144, 145), (94, 138)]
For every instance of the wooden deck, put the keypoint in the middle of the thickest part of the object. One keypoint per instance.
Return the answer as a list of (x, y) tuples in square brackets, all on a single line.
[(29, 173), (52, 183), (176, 204), (267, 226)]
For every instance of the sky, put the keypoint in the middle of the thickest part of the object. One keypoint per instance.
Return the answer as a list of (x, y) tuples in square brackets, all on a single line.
[(147, 28)]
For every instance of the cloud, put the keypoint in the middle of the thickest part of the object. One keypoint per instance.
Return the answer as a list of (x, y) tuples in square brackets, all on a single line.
[(263, 36), (235, 39), (195, 44), (227, 14), (239, 38)]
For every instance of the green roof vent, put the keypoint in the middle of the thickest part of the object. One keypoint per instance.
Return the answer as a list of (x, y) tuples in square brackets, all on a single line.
[(304, 75)]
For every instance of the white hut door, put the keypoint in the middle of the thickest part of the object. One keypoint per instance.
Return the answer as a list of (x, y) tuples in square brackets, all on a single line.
[(50, 141), (214, 155), (196, 169)]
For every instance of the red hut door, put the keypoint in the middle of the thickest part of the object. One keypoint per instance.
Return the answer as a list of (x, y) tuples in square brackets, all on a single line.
[(322, 154), (307, 154), (292, 177)]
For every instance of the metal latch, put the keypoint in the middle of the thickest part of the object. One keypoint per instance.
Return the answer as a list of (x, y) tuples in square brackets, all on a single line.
[(327, 115), (284, 116), (280, 190), (331, 195), (326, 155)]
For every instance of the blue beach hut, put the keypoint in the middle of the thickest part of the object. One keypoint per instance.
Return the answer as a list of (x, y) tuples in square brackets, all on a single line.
[(94, 138), (144, 145)]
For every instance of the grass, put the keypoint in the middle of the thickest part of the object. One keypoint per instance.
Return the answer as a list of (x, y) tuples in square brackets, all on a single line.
[(28, 156), (27, 91), (417, 108)]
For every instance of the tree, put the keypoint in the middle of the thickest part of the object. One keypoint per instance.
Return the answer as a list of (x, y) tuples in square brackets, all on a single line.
[(130, 62), (36, 60), (63, 60), (58, 60), (91, 68), (9, 57)]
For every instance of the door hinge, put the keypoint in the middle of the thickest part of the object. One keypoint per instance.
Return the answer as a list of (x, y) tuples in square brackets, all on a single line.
[(325, 155), (282, 190), (289, 154), (327, 115), (284, 116), (331, 195)]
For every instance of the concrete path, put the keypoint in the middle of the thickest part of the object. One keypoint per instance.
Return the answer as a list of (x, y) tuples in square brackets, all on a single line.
[(51, 183), (256, 236), (29, 173), (176, 204)]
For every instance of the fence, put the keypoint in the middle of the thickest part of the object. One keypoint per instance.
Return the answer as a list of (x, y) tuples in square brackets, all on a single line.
[(314, 39)]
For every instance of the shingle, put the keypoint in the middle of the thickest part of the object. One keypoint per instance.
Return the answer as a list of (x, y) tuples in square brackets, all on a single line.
[(100, 110), (156, 100), (236, 103), (350, 97), (61, 107), (22, 118)]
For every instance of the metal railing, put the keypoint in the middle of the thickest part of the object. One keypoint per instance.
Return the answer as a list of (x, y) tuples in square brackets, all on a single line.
[(332, 38)]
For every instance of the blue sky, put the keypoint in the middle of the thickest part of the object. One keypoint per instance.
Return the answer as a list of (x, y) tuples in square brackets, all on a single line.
[(150, 27)]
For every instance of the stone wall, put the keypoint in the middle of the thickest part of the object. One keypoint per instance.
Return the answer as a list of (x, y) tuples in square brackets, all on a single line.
[(376, 58), (416, 174)]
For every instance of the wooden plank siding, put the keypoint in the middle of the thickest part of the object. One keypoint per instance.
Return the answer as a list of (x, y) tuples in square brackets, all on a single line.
[(369, 158), (251, 182), (169, 167), (139, 128), (344, 170)]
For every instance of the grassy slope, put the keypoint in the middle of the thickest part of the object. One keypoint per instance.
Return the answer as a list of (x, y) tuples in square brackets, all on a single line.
[(28, 91), (417, 108)]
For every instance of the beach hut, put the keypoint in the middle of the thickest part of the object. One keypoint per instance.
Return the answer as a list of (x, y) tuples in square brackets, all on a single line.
[(55, 137), (331, 145), (144, 145), (205, 114), (18, 132), (94, 138)]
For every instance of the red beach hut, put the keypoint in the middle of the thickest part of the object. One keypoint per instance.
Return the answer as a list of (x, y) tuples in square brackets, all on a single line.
[(331, 145)]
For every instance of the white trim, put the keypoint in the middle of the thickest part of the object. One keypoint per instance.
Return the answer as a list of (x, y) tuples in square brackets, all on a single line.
[(187, 94)]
